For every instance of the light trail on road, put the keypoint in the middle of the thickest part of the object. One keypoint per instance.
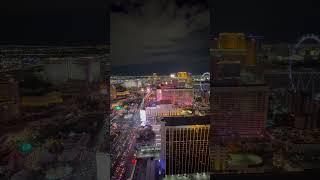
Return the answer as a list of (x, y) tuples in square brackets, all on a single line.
[(124, 144)]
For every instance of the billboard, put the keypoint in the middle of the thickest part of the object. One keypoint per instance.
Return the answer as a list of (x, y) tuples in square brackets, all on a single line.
[(143, 117)]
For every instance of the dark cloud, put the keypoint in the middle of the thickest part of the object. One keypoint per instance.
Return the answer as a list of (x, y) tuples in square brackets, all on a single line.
[(14, 5), (55, 27), (154, 31), (274, 19)]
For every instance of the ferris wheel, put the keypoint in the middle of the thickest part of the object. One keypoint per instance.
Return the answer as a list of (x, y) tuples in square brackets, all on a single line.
[(300, 80), (205, 82)]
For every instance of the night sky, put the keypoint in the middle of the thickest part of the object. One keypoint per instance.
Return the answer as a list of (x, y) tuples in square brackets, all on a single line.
[(54, 22), (54, 28), (159, 35), (275, 20)]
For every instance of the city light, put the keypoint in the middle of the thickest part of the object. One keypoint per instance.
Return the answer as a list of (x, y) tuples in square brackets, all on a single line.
[(118, 108), (26, 147), (172, 75), (134, 161), (143, 117)]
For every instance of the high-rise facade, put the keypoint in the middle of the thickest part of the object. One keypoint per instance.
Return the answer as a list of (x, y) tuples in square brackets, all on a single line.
[(239, 111), (239, 96), (185, 145)]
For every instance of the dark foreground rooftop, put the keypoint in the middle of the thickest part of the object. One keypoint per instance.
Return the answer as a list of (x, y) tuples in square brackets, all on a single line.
[(186, 120), (306, 175)]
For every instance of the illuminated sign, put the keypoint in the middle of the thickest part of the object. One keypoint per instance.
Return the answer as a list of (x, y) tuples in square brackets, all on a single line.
[(26, 147), (143, 117), (118, 108), (134, 161)]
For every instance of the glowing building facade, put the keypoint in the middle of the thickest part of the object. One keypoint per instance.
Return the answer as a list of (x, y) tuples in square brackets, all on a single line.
[(239, 111), (239, 96), (184, 146), (180, 97), (183, 75)]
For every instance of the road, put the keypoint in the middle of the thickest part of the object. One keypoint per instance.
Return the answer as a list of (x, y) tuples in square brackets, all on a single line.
[(147, 169), (123, 145)]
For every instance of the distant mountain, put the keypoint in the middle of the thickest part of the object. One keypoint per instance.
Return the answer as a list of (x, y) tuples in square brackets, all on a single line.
[(195, 67)]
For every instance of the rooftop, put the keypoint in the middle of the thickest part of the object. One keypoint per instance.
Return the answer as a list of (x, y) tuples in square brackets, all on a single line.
[(186, 120), (236, 83), (268, 175)]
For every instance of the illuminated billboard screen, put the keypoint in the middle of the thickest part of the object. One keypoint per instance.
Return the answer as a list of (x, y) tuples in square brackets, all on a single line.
[(143, 117)]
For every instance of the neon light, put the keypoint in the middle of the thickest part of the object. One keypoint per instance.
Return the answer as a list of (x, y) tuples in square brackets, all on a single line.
[(143, 117), (118, 107), (134, 161), (26, 147)]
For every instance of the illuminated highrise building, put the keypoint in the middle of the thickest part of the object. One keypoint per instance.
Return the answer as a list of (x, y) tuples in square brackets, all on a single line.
[(239, 96), (184, 146), (184, 80)]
